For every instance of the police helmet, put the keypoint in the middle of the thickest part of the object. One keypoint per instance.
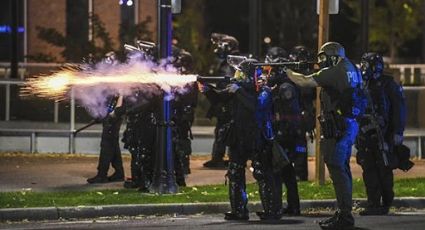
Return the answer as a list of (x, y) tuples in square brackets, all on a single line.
[(300, 53), (329, 53), (371, 65), (224, 44), (245, 70), (110, 58), (182, 60), (275, 55)]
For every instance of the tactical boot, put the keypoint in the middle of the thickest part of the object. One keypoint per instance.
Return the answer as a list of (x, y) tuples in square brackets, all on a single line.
[(216, 164), (132, 183), (143, 189), (340, 222), (291, 211), (374, 211), (269, 200), (269, 215), (97, 179), (331, 219), (181, 182), (117, 176), (236, 216)]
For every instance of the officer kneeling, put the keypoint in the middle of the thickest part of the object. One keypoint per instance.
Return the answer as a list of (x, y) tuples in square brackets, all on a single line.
[(340, 81)]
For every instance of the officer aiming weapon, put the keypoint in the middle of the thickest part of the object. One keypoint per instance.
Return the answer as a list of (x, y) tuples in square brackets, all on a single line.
[(373, 118), (110, 108)]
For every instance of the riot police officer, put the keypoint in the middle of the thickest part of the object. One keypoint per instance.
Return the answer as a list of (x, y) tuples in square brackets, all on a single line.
[(248, 138), (308, 113), (183, 116), (289, 131), (376, 153), (139, 139), (224, 45), (340, 81), (139, 135), (110, 152)]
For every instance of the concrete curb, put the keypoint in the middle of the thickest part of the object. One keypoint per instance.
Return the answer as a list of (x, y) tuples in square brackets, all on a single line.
[(54, 213)]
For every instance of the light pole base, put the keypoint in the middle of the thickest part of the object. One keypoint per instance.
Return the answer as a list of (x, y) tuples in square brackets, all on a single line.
[(164, 183)]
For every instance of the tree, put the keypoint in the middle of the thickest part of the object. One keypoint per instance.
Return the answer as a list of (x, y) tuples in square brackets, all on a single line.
[(290, 23), (392, 23), (75, 51), (190, 35)]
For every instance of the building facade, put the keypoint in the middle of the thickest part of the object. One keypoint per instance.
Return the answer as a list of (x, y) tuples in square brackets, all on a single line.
[(71, 19)]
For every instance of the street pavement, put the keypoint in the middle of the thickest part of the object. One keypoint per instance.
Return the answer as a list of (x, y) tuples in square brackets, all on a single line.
[(413, 220), (65, 172)]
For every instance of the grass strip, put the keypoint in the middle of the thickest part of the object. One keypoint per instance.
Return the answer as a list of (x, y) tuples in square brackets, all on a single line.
[(412, 187)]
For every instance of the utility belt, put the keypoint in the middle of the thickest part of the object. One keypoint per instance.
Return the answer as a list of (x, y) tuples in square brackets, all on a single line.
[(332, 125)]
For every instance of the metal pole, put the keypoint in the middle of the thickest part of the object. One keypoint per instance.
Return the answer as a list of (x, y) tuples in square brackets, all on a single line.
[(14, 39), (33, 144), (322, 39), (90, 20), (164, 28), (56, 112), (365, 26), (72, 123), (164, 180), (254, 27), (136, 12), (7, 104), (25, 30)]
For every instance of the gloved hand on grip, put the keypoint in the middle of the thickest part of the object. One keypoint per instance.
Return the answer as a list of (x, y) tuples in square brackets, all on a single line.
[(232, 88), (398, 139)]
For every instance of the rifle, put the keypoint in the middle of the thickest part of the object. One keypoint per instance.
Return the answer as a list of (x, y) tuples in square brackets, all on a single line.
[(302, 65), (91, 123), (373, 118), (111, 106), (213, 79)]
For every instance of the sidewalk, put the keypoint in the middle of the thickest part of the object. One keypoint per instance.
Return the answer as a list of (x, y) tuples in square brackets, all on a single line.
[(55, 172)]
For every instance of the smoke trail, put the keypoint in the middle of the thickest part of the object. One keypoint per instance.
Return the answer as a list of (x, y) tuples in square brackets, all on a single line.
[(93, 86)]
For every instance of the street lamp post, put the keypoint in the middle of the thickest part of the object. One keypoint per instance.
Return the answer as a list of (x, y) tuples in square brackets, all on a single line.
[(164, 180), (255, 27), (14, 39), (322, 39)]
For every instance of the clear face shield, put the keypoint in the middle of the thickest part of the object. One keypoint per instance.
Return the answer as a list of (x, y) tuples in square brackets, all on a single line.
[(235, 62), (325, 60), (271, 59), (365, 69), (322, 60)]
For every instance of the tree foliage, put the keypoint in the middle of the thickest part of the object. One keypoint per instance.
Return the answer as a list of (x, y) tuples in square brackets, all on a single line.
[(190, 35), (392, 23), (291, 22), (75, 51)]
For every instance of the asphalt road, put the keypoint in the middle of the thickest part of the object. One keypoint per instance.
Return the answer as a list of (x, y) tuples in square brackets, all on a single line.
[(400, 220)]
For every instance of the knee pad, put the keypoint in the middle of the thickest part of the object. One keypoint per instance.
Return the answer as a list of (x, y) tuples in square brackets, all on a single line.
[(258, 171), (236, 172)]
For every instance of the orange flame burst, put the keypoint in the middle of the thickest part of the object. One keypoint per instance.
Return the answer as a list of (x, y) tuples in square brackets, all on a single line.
[(59, 84)]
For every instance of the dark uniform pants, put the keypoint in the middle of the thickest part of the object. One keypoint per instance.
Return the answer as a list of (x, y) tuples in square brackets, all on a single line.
[(378, 179), (238, 156), (219, 145), (110, 152), (290, 181), (337, 155)]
